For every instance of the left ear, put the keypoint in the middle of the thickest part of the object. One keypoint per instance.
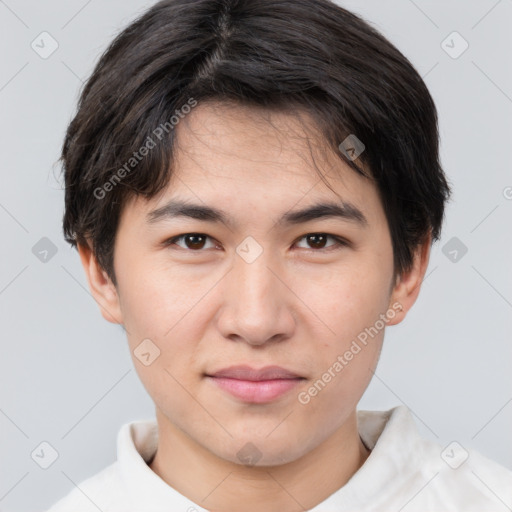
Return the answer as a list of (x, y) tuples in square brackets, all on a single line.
[(408, 285)]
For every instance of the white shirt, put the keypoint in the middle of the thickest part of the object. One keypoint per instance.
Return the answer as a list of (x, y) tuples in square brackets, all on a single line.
[(404, 473)]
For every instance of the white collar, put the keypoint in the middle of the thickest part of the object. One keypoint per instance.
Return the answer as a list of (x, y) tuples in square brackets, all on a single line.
[(391, 435), (397, 450)]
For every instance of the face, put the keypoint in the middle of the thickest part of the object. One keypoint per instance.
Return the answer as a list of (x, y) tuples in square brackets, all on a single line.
[(245, 279)]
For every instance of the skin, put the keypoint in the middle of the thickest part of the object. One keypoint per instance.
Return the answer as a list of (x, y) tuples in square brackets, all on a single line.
[(297, 305)]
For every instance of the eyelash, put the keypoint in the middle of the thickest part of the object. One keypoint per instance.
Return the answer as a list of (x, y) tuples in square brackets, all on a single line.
[(340, 242)]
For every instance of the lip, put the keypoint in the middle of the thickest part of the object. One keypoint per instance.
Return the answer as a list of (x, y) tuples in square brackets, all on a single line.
[(255, 386), (244, 372)]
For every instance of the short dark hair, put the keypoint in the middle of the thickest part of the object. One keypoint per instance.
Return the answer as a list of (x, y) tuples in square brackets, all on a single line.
[(311, 55)]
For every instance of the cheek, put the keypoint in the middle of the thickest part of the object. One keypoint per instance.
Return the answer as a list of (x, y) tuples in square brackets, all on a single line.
[(169, 308), (350, 300), (350, 303), (158, 310), (156, 298)]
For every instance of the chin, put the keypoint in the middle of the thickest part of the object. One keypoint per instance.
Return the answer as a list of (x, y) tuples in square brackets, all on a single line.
[(260, 452)]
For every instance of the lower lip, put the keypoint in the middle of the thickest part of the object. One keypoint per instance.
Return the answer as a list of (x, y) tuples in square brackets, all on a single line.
[(256, 391)]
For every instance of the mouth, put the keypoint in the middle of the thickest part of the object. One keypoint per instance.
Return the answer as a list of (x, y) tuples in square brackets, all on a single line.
[(255, 386)]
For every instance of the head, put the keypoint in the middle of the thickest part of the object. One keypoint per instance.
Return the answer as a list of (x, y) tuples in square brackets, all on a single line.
[(204, 130)]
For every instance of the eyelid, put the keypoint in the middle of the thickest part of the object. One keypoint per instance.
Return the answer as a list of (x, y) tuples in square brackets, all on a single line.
[(340, 241)]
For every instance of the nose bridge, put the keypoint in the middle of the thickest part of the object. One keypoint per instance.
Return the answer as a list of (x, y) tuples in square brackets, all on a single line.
[(252, 272), (256, 304), (255, 282)]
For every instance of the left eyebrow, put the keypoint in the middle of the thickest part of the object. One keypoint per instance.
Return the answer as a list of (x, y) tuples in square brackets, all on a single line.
[(343, 210)]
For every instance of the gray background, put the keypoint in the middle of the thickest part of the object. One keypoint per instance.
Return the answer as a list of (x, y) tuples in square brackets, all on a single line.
[(67, 377)]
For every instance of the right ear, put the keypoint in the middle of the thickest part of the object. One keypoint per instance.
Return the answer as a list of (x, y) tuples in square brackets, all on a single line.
[(101, 286)]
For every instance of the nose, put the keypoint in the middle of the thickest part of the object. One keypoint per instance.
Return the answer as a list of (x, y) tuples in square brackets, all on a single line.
[(258, 304)]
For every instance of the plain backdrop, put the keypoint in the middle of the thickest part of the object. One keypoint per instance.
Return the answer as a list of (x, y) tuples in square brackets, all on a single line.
[(67, 378)]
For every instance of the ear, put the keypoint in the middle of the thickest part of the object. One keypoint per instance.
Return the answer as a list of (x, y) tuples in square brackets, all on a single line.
[(407, 288), (102, 289)]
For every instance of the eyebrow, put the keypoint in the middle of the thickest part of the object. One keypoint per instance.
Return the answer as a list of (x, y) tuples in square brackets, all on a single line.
[(175, 208)]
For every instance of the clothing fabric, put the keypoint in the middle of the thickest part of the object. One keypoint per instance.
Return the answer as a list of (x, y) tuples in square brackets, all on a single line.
[(403, 473)]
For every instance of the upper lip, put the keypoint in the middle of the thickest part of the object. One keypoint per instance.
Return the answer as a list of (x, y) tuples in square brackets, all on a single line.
[(245, 372)]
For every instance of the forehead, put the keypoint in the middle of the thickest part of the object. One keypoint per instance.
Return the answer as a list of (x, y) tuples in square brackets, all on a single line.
[(254, 162), (242, 138)]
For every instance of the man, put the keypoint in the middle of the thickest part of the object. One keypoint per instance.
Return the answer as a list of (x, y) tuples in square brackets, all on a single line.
[(254, 188)]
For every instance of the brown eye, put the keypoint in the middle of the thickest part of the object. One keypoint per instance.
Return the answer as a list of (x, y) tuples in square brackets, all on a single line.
[(191, 241), (318, 241), (194, 241)]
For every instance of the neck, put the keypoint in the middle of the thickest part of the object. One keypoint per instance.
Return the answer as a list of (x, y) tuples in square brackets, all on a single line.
[(218, 484)]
